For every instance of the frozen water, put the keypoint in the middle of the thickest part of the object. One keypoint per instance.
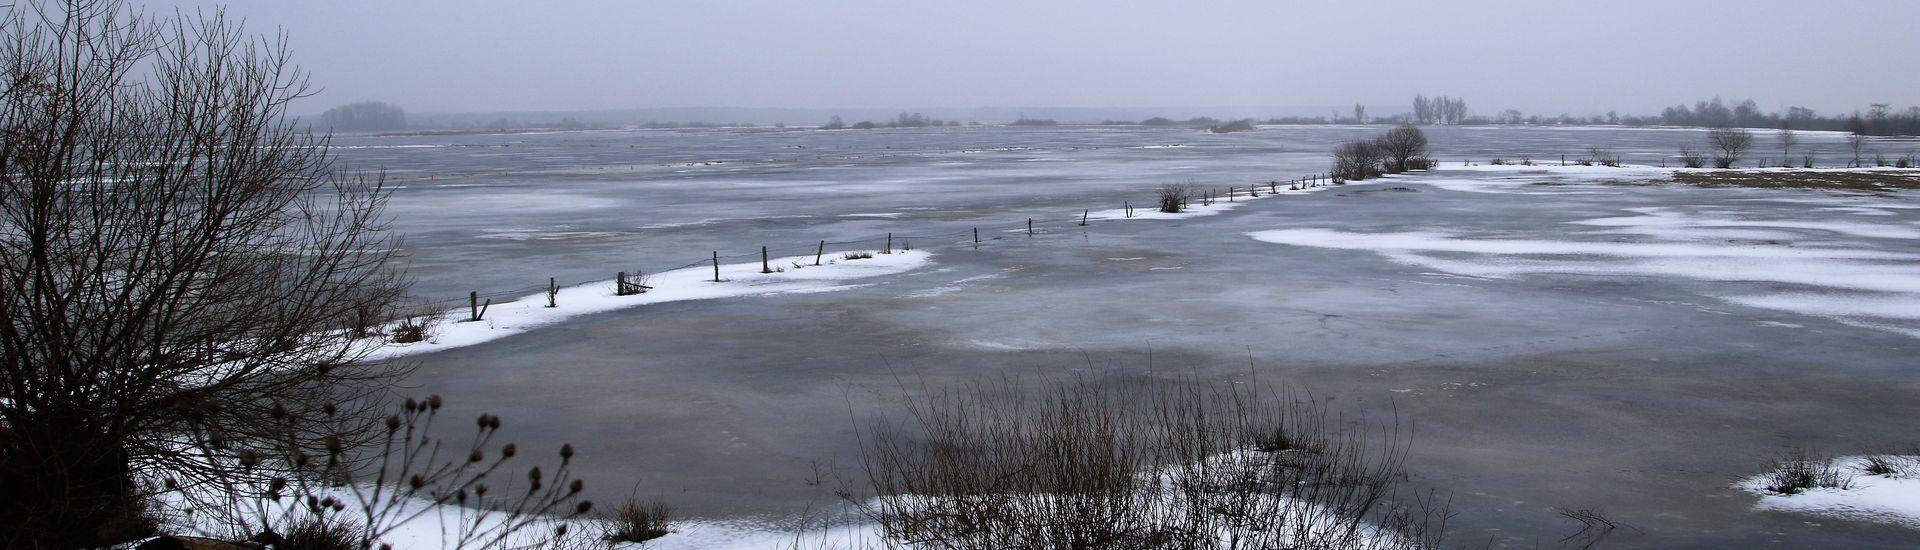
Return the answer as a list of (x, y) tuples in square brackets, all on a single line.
[(1633, 365)]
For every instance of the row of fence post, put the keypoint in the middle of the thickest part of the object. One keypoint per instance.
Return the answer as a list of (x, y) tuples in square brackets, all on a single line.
[(625, 285)]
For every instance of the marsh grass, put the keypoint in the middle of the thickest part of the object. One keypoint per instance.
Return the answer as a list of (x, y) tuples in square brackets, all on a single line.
[(1800, 470), (1144, 464)]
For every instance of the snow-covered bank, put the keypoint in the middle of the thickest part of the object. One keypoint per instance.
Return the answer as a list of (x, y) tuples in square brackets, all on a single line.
[(796, 274), (1221, 203), (1885, 498)]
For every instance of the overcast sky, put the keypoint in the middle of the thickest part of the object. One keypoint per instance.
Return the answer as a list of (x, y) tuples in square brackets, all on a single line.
[(1545, 57)]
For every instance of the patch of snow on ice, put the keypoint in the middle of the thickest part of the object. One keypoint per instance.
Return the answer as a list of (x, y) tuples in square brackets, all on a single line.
[(1842, 271), (1892, 498), (693, 283)]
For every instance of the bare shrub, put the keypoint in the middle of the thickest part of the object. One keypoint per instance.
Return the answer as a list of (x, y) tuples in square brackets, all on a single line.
[(1174, 197), (413, 328), (857, 255), (631, 283), (1602, 156), (1691, 158), (1156, 465), (637, 522), (1731, 144), (1357, 160), (1800, 470)]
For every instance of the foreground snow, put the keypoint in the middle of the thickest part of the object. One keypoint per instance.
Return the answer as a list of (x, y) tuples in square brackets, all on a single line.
[(1889, 498), (797, 274)]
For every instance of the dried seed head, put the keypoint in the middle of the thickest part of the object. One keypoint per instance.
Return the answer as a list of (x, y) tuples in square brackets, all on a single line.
[(576, 486), (507, 451), (480, 489), (333, 445), (329, 409), (474, 456), (495, 422), (393, 423), (416, 482), (279, 411), (460, 495), (566, 451), (433, 402), (410, 405), (584, 507)]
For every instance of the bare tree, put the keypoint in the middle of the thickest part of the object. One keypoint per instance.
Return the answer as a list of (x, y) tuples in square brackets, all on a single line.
[(177, 256), (1357, 160), (1731, 144), (1691, 158), (1787, 140), (1360, 113), (1402, 145), (1856, 138)]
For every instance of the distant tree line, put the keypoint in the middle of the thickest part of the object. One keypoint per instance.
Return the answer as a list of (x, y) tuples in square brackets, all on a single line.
[(904, 120), (1439, 110), (365, 116)]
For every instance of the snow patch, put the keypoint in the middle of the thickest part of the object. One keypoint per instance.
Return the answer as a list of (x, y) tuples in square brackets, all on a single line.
[(1889, 498), (693, 283)]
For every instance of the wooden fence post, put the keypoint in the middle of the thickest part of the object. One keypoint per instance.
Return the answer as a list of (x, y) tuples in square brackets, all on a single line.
[(764, 267), (889, 249), (553, 291), (716, 266), (1083, 218), (976, 235), (473, 306), (1029, 227)]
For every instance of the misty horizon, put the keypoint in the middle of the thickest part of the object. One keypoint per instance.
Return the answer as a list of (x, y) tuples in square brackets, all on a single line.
[(1632, 57)]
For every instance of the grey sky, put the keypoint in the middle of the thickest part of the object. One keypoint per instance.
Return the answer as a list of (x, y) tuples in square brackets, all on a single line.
[(1541, 57)]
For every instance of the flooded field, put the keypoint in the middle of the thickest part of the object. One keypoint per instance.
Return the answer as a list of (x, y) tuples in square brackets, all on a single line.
[(1553, 338)]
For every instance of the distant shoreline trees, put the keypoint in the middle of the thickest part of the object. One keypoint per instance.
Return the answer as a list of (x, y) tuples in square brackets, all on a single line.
[(365, 116), (904, 120)]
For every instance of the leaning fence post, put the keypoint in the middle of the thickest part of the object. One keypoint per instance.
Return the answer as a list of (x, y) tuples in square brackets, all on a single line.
[(553, 291), (716, 266), (1083, 220), (764, 267), (817, 253)]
